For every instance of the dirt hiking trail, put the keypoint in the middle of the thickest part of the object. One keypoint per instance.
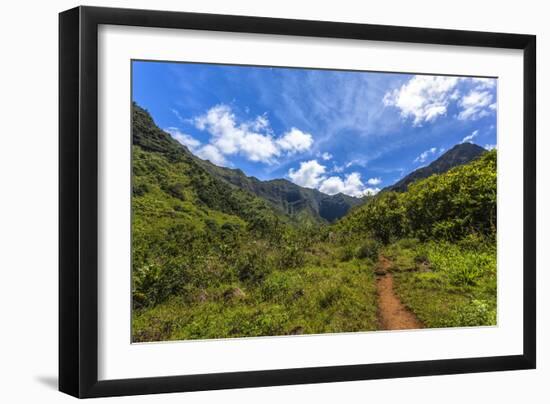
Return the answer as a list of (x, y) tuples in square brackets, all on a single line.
[(392, 314)]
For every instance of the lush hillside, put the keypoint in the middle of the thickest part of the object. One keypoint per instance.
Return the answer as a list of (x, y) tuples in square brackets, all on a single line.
[(212, 259), (182, 216), (303, 204), (298, 203), (438, 239), (443, 206), (460, 154)]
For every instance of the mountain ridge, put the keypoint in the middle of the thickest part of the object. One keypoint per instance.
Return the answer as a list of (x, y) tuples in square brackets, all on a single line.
[(459, 154), (288, 197), (299, 203)]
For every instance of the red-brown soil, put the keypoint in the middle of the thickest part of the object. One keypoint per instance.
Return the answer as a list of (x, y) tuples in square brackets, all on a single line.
[(392, 314)]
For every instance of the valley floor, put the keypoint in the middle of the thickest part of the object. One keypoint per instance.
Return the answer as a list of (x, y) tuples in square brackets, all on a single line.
[(406, 285)]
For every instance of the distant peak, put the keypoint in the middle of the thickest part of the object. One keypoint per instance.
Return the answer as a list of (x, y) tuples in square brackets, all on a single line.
[(466, 145), (459, 154)]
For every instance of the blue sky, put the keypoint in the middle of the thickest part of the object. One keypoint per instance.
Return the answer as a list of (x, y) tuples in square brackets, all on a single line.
[(336, 131)]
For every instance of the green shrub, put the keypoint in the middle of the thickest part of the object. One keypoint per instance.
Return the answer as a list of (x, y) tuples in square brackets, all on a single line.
[(253, 264), (140, 188), (430, 279), (408, 243), (464, 267), (346, 253), (330, 297), (477, 313), (282, 287), (291, 256), (152, 284), (445, 206), (176, 190), (367, 249)]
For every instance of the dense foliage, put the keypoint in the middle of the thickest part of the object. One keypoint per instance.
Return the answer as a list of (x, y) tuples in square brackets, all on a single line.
[(446, 284), (212, 259), (442, 207)]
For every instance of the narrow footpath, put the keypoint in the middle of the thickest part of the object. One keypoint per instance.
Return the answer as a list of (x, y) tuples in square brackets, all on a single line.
[(392, 314)]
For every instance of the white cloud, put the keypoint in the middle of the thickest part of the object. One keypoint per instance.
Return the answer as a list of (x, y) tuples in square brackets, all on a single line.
[(326, 156), (257, 147), (187, 140), (484, 83), (470, 137), (211, 153), (295, 141), (424, 155), (338, 169), (260, 123), (310, 174), (332, 185), (423, 98), (252, 139), (370, 191), (374, 181), (475, 105), (175, 112), (231, 138), (490, 146), (350, 185)]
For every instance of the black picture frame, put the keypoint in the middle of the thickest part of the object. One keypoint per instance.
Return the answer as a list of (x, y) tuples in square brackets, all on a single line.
[(78, 201)]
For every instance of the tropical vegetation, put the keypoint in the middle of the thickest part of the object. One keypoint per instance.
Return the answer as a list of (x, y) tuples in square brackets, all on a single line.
[(216, 254)]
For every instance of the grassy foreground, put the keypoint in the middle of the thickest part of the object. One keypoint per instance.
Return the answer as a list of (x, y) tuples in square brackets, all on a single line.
[(320, 297), (444, 284)]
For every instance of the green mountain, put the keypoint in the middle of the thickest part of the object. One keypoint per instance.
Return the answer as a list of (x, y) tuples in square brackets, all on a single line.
[(299, 203), (303, 204), (460, 154), (448, 206), (182, 216), (161, 162), (286, 199)]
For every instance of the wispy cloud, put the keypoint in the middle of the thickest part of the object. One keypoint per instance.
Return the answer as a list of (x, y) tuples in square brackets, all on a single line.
[(267, 121), (476, 104), (178, 115), (330, 104), (425, 155), (187, 140), (470, 137)]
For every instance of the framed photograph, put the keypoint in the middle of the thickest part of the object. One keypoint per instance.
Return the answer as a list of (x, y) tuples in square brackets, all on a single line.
[(251, 201)]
